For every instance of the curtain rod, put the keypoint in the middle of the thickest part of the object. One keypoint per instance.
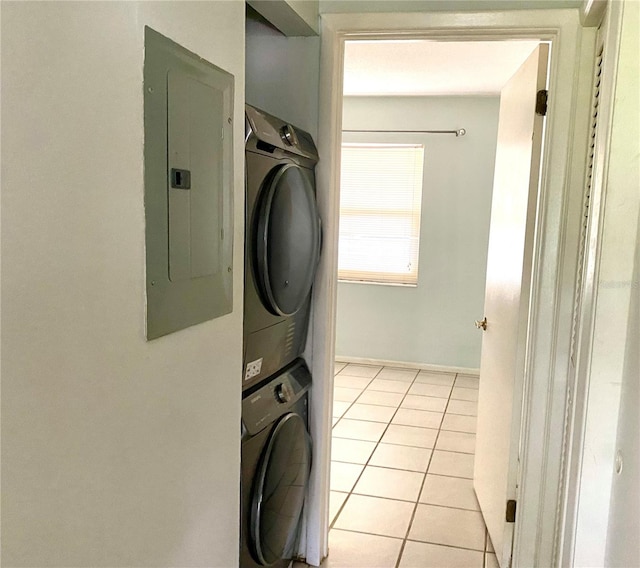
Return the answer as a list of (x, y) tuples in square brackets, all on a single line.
[(459, 132)]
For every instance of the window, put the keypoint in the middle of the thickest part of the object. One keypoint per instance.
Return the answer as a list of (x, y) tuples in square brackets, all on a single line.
[(380, 197)]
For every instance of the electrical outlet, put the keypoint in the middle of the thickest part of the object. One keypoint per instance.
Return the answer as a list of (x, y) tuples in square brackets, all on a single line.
[(253, 369)]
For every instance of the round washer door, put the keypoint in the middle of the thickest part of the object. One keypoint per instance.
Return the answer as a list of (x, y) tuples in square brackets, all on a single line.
[(287, 240), (279, 490)]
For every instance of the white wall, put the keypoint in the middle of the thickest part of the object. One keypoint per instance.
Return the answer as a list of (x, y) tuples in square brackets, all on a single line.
[(619, 315), (282, 74), (624, 517), (115, 451), (433, 322)]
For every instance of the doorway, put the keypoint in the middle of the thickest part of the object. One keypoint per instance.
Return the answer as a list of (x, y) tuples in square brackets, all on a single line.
[(540, 455), (440, 101), (442, 98)]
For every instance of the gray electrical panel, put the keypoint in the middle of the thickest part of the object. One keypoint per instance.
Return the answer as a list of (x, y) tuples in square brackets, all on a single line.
[(188, 158)]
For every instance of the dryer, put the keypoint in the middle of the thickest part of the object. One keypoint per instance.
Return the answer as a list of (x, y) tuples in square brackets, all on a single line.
[(282, 243), (276, 461)]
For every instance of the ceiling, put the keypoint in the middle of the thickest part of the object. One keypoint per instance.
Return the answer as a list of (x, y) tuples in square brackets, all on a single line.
[(426, 67), (364, 6)]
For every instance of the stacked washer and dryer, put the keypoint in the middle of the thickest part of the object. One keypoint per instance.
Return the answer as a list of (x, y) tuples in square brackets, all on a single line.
[(282, 249)]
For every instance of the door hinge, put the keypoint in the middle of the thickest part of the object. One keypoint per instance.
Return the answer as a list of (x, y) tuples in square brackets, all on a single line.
[(511, 511), (541, 102)]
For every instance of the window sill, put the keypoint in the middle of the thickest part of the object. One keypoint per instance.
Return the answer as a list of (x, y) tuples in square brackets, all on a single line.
[(394, 284)]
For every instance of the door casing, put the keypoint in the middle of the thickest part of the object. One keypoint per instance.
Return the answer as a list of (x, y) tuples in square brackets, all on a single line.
[(580, 540), (556, 236)]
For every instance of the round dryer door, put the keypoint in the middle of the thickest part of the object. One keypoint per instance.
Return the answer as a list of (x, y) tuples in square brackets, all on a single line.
[(279, 490), (287, 240)]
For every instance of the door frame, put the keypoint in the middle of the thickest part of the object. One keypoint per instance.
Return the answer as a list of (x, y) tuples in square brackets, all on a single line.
[(556, 236), (592, 411)]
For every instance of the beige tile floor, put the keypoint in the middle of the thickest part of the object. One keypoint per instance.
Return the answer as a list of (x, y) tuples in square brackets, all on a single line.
[(401, 471)]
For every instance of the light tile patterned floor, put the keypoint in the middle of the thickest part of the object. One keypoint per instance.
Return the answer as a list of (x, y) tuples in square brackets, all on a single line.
[(402, 464)]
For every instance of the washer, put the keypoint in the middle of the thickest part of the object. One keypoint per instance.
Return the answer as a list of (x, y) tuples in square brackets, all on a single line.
[(282, 243), (276, 460)]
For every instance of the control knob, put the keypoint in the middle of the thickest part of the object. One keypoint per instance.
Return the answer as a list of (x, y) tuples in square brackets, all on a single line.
[(288, 135), (283, 393)]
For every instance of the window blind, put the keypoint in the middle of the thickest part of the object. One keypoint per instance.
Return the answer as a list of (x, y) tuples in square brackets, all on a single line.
[(380, 199)]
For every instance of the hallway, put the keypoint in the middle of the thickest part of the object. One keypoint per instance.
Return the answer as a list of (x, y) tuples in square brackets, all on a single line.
[(401, 471)]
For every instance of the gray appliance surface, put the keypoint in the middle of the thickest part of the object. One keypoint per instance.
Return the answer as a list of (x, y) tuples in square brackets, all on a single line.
[(276, 461), (282, 243)]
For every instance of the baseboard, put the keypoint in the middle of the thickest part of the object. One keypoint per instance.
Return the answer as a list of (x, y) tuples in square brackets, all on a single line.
[(405, 365)]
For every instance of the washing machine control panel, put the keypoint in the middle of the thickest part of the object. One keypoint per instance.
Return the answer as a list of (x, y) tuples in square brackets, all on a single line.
[(266, 404), (283, 393)]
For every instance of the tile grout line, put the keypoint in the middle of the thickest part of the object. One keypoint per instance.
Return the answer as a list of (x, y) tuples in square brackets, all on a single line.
[(352, 402), (379, 441), (349, 493), (413, 540), (409, 445), (424, 479), (484, 553), (404, 468), (331, 526), (396, 499)]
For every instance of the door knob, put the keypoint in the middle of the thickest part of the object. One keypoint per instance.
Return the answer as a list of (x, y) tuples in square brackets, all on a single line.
[(482, 324)]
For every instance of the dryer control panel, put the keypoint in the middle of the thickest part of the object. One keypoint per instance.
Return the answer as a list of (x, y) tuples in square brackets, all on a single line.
[(271, 132)]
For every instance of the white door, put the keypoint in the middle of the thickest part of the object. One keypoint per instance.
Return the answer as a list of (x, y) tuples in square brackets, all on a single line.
[(513, 213)]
